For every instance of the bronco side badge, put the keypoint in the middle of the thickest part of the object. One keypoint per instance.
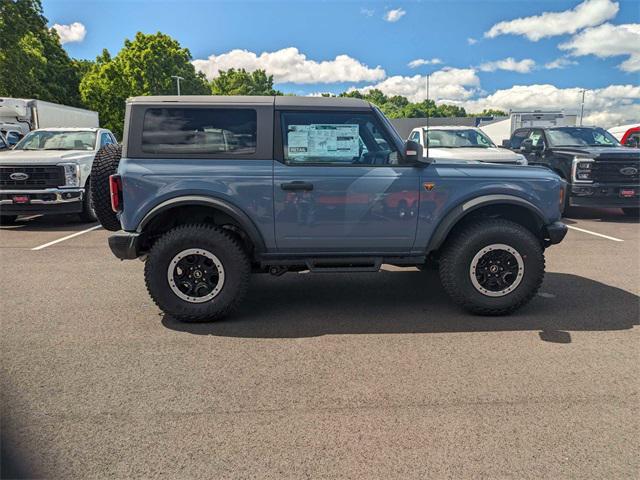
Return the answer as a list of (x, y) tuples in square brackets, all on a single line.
[(429, 186)]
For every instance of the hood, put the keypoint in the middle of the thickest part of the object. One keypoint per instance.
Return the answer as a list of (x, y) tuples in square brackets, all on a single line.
[(491, 154), (45, 157), (601, 153)]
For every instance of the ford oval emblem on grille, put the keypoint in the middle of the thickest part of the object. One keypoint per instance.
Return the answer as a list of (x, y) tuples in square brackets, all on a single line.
[(19, 176), (629, 170)]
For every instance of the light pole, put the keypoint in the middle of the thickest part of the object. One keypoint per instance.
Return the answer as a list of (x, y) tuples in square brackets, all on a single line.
[(582, 107), (178, 78)]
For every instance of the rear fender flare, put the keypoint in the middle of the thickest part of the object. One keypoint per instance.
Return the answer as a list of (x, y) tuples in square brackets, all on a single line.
[(233, 211)]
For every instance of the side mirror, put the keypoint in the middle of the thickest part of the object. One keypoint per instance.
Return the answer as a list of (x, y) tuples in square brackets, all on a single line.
[(506, 143), (631, 142), (413, 152), (526, 146)]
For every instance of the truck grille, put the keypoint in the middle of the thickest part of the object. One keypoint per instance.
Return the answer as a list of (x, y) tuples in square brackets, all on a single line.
[(611, 171), (47, 176)]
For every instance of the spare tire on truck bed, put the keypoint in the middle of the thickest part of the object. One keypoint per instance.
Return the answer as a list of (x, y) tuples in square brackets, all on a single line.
[(104, 165)]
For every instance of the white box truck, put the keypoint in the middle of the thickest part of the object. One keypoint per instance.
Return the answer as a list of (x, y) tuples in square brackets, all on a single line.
[(18, 116)]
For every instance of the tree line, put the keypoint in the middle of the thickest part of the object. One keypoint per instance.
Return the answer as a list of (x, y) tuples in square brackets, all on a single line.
[(33, 64)]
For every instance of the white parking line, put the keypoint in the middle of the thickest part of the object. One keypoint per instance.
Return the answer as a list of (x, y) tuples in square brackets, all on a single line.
[(31, 217), (595, 233), (40, 247)]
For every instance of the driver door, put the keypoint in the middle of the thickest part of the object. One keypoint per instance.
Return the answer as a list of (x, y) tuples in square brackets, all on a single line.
[(339, 187)]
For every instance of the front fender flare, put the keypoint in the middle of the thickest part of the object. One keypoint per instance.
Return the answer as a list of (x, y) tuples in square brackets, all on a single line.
[(457, 213), (233, 211)]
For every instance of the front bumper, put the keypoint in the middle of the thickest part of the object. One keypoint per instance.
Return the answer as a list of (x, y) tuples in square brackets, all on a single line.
[(125, 245), (604, 195), (554, 233), (45, 201)]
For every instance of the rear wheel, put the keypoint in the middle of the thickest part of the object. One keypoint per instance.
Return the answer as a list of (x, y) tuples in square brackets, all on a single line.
[(631, 212), (197, 273), (8, 219), (104, 165), (492, 267)]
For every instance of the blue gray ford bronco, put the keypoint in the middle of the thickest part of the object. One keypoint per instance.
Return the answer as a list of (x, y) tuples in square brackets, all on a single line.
[(207, 190)]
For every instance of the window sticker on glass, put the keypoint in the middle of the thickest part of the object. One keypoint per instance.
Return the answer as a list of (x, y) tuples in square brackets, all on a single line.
[(323, 140)]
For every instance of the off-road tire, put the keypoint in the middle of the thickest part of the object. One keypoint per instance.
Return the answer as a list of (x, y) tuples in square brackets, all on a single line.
[(88, 213), (455, 264), (105, 164), (632, 212), (224, 246), (8, 219)]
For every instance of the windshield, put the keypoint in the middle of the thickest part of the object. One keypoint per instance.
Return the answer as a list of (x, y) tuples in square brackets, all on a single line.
[(457, 139), (57, 140), (581, 137)]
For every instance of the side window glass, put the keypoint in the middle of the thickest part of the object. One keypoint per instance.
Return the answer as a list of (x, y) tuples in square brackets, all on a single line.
[(199, 131), (105, 139), (537, 139), (335, 138), (518, 138)]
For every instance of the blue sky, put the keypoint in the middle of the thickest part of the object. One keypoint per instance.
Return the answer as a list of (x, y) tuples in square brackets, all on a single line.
[(482, 62)]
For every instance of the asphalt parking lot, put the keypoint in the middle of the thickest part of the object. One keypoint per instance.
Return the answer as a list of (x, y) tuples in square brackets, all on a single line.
[(318, 376)]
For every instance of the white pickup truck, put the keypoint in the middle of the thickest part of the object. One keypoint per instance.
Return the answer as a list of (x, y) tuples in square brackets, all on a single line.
[(48, 173), (462, 144)]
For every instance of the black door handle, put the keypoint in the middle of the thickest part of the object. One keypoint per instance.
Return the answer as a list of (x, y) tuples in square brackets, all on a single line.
[(297, 186)]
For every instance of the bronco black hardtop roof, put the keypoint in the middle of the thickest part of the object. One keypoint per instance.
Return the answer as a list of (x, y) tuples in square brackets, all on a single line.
[(277, 101)]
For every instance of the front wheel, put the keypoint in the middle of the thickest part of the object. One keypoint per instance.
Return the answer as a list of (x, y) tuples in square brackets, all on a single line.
[(492, 267), (88, 213), (631, 212), (197, 273)]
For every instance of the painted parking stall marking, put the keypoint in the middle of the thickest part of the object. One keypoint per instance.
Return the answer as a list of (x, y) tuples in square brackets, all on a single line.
[(595, 233), (82, 232)]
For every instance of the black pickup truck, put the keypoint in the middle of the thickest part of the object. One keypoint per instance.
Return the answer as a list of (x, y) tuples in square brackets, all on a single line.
[(599, 170)]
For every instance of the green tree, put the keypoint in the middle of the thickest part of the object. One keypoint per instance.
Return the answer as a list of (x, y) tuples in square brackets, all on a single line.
[(241, 82), (490, 112), (33, 64), (143, 67)]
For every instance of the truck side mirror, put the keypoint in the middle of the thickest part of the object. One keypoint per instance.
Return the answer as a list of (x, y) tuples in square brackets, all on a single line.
[(526, 146), (506, 143), (413, 152), (631, 142)]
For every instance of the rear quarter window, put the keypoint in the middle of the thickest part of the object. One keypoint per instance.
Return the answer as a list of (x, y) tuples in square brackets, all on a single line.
[(209, 131)]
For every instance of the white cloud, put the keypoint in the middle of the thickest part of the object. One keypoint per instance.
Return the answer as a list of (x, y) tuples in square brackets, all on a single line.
[(289, 65), (471, 41), (587, 14), (609, 106), (394, 15), (74, 32), (447, 85), (418, 62), (510, 64), (559, 63), (608, 41)]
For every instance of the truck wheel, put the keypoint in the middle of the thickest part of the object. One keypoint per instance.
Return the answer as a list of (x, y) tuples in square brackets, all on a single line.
[(197, 273), (492, 267), (631, 212), (104, 165), (8, 219), (88, 213)]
